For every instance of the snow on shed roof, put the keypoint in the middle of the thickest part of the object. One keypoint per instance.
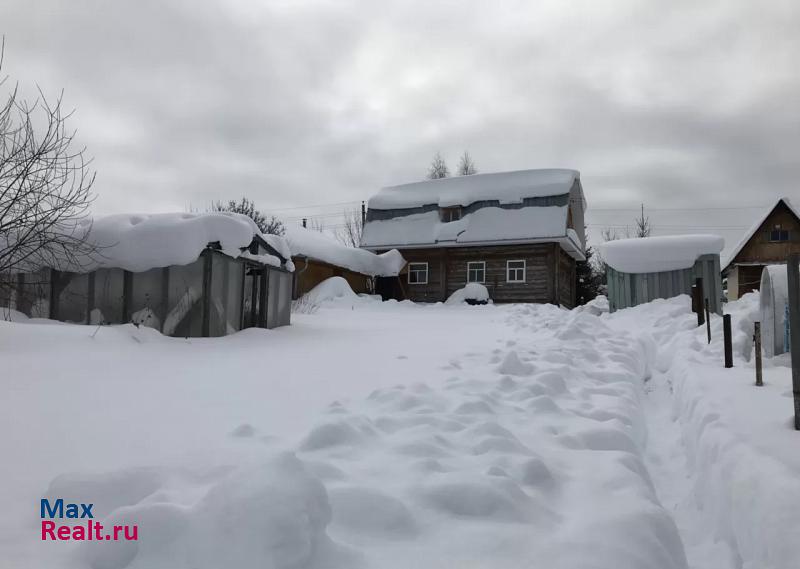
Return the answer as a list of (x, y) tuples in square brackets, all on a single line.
[(731, 255), (658, 254), (318, 246), (139, 242), (508, 187)]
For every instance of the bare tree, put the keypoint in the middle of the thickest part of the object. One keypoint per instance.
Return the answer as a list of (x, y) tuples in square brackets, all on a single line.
[(316, 224), (45, 187), (272, 226), (349, 233), (438, 168), (466, 165)]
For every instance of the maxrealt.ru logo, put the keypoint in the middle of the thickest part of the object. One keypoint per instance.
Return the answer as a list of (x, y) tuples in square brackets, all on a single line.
[(89, 530)]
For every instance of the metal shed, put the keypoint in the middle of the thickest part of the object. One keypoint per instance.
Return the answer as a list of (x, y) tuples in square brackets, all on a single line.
[(634, 276)]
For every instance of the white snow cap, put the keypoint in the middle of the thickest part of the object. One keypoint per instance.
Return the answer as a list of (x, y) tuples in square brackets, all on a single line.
[(658, 254), (316, 245), (508, 187), (139, 242)]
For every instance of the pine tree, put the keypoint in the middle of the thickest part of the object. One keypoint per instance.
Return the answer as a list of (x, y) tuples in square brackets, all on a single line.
[(589, 279), (438, 168), (466, 166)]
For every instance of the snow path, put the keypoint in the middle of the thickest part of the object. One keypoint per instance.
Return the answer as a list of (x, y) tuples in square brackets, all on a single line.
[(500, 437)]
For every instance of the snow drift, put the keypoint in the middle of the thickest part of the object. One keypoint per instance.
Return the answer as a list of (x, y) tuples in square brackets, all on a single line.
[(474, 292)]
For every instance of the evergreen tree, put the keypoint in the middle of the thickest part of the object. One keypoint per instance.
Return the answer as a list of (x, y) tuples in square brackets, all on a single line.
[(589, 279)]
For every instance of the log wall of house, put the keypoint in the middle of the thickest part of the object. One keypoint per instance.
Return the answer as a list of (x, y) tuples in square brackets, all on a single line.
[(549, 273), (307, 276)]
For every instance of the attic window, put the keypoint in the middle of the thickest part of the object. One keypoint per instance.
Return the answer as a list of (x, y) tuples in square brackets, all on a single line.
[(451, 214), (778, 234)]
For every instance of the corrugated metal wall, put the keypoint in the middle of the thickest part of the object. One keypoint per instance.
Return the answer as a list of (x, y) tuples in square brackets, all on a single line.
[(631, 289)]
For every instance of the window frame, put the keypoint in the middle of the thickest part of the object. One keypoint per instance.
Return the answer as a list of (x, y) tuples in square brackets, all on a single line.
[(777, 228), (447, 214), (524, 269), (483, 263), (410, 265)]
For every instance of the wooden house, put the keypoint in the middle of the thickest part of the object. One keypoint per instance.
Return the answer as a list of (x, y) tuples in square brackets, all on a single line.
[(770, 240), (318, 257), (518, 233)]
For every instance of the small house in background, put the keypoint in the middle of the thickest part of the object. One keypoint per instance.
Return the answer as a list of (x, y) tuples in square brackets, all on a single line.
[(519, 234), (184, 274), (318, 257), (774, 235), (641, 270)]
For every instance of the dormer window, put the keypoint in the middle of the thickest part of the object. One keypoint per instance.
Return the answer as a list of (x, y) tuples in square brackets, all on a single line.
[(778, 233), (451, 214)]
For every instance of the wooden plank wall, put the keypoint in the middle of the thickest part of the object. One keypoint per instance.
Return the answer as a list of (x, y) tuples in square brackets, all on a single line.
[(317, 272), (447, 272)]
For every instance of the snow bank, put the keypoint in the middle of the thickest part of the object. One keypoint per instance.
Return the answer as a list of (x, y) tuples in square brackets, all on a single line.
[(508, 187), (475, 292), (657, 254), (316, 245), (743, 465), (330, 289)]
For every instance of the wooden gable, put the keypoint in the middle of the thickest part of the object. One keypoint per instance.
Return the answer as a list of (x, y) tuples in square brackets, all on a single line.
[(762, 247)]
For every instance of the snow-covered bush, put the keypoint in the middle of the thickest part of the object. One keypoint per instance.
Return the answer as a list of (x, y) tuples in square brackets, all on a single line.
[(473, 293)]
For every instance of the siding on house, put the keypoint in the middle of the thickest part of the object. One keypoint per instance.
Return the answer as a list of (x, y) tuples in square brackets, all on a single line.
[(549, 273), (310, 272)]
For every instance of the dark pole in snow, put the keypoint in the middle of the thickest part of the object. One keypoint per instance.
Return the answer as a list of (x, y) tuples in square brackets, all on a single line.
[(708, 321), (363, 214), (757, 340), (794, 330), (304, 221), (726, 332), (697, 301)]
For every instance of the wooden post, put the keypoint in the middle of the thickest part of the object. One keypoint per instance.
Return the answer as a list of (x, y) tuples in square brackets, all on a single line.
[(726, 333), (708, 321), (757, 340), (127, 296), (363, 213), (794, 330), (697, 301)]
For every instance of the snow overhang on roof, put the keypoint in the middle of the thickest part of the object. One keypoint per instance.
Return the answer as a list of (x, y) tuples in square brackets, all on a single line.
[(140, 242), (507, 187), (752, 231), (315, 245), (659, 254)]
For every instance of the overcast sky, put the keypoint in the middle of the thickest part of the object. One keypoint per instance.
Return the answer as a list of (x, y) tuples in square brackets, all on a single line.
[(297, 103)]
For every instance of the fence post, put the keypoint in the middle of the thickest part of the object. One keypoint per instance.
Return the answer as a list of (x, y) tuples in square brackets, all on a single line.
[(697, 300), (708, 321), (793, 274), (757, 340), (726, 333)]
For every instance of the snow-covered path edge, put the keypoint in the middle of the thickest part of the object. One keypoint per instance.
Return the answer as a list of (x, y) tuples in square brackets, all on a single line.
[(734, 505)]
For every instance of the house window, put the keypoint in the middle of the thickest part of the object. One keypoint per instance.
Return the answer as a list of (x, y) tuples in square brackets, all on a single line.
[(778, 234), (451, 214), (418, 273), (515, 271), (476, 272)]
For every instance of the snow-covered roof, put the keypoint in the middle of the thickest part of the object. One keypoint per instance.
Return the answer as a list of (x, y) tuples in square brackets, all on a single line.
[(522, 207), (316, 245), (139, 242), (658, 254), (730, 256), (508, 187)]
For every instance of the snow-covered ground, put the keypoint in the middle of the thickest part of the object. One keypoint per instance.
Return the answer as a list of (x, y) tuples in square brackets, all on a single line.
[(373, 434)]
